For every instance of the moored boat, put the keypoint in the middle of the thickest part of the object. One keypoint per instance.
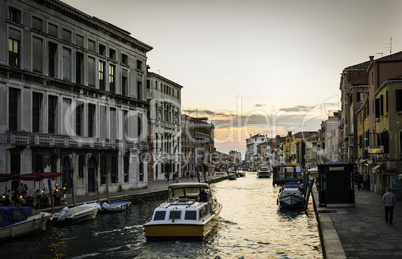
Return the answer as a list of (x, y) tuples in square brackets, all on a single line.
[(191, 212), (291, 196), (76, 214), (115, 206), (20, 221)]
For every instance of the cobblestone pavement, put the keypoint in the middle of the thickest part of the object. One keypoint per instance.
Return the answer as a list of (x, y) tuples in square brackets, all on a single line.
[(361, 231)]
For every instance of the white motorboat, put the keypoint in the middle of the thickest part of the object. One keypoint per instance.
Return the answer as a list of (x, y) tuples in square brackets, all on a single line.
[(291, 196), (264, 172), (191, 212), (76, 214), (115, 206), (20, 221)]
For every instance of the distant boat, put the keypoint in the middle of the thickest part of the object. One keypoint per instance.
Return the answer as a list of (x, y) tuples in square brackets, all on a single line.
[(76, 214), (191, 212), (264, 172), (291, 196), (20, 221), (115, 206)]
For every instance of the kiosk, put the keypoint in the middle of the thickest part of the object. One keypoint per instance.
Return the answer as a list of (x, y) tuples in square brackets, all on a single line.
[(336, 185)]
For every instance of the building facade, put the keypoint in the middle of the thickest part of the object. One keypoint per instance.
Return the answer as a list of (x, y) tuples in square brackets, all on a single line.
[(72, 98), (164, 98)]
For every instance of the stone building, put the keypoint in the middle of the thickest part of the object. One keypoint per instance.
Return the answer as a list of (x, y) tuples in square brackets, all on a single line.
[(72, 90), (164, 98)]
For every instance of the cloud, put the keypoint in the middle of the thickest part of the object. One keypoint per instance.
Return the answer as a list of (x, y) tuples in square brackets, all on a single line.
[(259, 105), (297, 108)]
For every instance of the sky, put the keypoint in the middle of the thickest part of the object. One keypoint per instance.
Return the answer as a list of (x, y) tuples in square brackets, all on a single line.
[(256, 66)]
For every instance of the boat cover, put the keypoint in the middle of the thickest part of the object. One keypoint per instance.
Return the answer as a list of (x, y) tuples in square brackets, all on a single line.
[(10, 215)]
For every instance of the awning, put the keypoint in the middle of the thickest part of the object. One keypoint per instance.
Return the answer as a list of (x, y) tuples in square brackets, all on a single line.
[(208, 165), (376, 168), (29, 177)]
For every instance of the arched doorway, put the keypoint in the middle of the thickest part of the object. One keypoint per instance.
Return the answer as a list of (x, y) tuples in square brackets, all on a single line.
[(66, 174), (92, 165)]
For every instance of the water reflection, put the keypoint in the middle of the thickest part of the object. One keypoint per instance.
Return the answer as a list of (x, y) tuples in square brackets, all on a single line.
[(250, 226)]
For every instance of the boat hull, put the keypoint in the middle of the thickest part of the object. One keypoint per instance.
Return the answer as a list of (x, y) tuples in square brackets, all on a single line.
[(33, 224), (264, 174), (72, 217), (291, 201), (198, 231)]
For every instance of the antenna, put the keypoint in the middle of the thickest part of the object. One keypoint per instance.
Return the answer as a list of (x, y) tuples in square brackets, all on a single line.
[(389, 45), (380, 53)]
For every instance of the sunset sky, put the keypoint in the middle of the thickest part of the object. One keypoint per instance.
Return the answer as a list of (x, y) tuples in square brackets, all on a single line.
[(256, 66)]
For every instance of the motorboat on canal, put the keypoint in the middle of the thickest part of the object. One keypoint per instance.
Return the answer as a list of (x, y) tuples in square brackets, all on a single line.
[(76, 214), (291, 196), (115, 206), (264, 172), (191, 212), (20, 221)]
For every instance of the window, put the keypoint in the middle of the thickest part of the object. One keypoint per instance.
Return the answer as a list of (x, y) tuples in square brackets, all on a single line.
[(37, 55), (360, 96), (160, 215), (91, 120), (398, 100), (139, 90), (53, 163), (400, 142), (139, 64), (102, 122), (377, 108), (124, 83), (113, 173), (174, 214), (14, 14), (103, 168), (52, 30), (101, 75), (113, 124), (37, 23), (102, 50), (91, 71), (79, 40), (91, 45), (148, 84), (112, 54), (112, 78), (139, 122), (13, 52), (52, 109), (38, 163), (13, 108), (191, 215), (66, 64), (67, 122), (79, 110), (381, 105), (36, 112), (52, 62), (66, 35), (79, 68), (126, 161), (81, 166), (124, 59)]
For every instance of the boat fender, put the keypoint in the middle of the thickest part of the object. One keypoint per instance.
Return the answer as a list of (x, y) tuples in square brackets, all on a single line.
[(63, 214)]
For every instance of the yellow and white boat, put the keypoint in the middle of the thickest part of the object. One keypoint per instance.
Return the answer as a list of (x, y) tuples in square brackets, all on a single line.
[(191, 212)]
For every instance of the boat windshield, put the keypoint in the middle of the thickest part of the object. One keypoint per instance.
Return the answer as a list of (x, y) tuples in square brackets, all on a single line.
[(186, 193)]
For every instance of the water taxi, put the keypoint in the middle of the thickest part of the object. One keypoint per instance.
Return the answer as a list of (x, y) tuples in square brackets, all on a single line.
[(291, 196), (191, 212), (264, 172)]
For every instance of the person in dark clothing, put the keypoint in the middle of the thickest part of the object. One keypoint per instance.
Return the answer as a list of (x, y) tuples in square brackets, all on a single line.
[(389, 201), (203, 197)]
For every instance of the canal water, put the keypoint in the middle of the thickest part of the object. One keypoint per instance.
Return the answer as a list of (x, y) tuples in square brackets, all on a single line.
[(250, 226)]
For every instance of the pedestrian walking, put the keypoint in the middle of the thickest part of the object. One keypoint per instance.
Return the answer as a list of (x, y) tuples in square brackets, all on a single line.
[(188, 175), (192, 175), (389, 201), (167, 177)]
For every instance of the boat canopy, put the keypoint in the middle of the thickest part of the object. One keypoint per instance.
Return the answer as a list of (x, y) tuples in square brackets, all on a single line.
[(10, 215), (188, 185)]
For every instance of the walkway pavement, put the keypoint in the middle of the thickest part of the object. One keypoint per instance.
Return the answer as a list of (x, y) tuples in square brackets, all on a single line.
[(361, 231)]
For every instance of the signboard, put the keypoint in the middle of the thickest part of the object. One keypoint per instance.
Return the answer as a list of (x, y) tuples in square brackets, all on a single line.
[(376, 149)]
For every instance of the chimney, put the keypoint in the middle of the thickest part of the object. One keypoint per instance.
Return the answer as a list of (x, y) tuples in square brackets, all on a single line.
[(371, 58)]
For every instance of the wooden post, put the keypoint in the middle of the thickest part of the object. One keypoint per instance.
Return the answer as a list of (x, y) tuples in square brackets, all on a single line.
[(107, 191), (97, 191), (73, 191), (49, 183)]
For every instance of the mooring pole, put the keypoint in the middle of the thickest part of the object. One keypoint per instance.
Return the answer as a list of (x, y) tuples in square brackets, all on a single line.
[(309, 191)]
